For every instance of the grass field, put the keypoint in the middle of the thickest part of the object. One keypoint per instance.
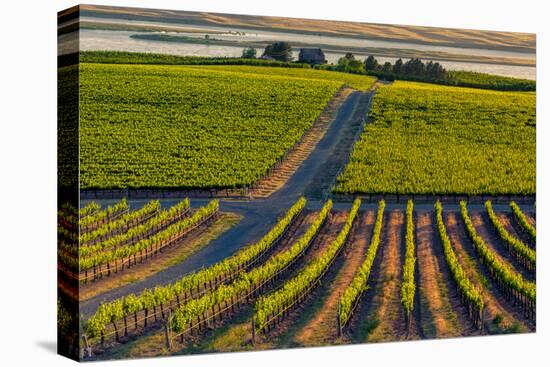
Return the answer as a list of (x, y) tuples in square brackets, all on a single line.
[(427, 139), (195, 127)]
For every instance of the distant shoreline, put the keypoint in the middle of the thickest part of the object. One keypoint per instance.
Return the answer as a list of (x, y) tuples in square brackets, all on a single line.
[(184, 19), (363, 51)]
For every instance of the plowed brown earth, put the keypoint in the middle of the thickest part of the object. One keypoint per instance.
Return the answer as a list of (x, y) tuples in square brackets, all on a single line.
[(486, 230), (438, 318), (499, 315), (388, 310), (531, 218), (322, 328), (298, 228), (298, 154)]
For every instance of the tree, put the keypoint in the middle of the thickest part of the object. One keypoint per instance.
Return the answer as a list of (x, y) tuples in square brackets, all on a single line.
[(249, 53), (281, 51), (349, 64), (371, 63), (438, 72), (398, 66), (349, 56), (387, 67), (414, 67)]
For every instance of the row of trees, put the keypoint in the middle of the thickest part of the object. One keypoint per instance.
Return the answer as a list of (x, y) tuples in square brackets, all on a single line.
[(282, 51), (413, 67)]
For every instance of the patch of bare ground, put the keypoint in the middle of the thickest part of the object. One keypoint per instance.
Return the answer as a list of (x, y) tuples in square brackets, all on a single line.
[(387, 309), (487, 231), (322, 328), (531, 217), (169, 256), (299, 153), (500, 316), (438, 318)]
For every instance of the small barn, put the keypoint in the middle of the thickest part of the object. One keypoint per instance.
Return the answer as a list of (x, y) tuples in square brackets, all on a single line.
[(266, 57), (312, 56)]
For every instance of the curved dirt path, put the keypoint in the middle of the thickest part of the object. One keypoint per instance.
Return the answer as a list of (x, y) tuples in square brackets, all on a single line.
[(259, 215), (322, 328), (388, 310), (496, 306), (438, 318)]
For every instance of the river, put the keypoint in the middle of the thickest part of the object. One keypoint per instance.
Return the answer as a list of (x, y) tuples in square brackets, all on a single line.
[(120, 40)]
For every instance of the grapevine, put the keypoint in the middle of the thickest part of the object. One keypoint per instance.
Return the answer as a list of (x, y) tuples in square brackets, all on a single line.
[(358, 285), (523, 253)]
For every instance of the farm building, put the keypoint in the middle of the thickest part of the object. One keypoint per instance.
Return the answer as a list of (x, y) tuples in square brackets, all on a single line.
[(266, 57), (312, 56)]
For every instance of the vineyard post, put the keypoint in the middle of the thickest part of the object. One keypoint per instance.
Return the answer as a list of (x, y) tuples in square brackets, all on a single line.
[(481, 320), (253, 331), (87, 348), (338, 319), (167, 332)]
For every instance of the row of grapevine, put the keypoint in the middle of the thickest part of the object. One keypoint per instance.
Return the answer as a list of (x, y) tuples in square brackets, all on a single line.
[(523, 222), (137, 233), (350, 298), (152, 244), (525, 255), (191, 285), (408, 286), (512, 283), (122, 224), (71, 255), (67, 216), (271, 308), (99, 217), (470, 296), (196, 312), (90, 208)]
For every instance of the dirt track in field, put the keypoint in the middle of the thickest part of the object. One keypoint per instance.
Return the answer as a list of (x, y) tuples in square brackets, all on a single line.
[(388, 311), (259, 215), (322, 328), (437, 314), (280, 175)]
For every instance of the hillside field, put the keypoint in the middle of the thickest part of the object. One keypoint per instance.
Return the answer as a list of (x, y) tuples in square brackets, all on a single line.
[(153, 126), (429, 139)]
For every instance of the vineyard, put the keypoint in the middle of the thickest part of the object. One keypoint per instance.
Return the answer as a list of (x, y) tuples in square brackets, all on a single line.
[(188, 127), (363, 210), (430, 140), (322, 271), (116, 238)]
